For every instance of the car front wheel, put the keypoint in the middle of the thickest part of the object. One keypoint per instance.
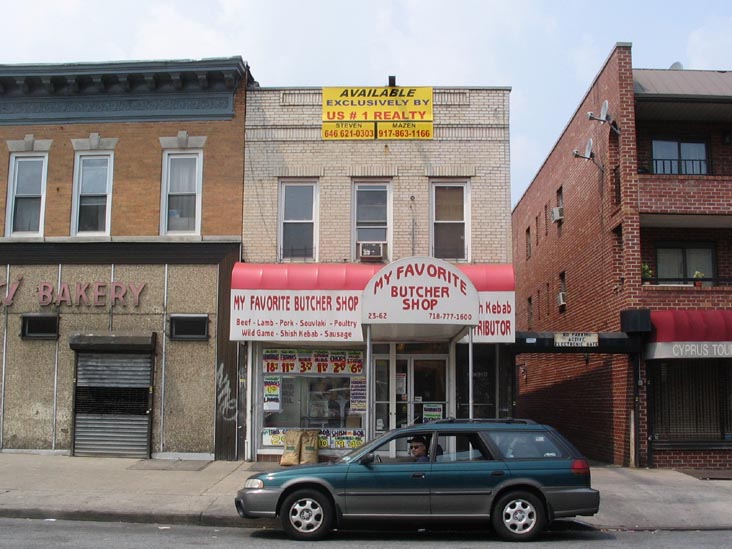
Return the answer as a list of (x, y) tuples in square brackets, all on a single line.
[(518, 516), (307, 515)]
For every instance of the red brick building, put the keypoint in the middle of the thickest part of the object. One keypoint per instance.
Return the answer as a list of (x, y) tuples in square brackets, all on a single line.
[(624, 237)]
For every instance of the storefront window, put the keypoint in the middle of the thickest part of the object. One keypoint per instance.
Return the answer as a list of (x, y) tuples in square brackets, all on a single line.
[(313, 389), (691, 401)]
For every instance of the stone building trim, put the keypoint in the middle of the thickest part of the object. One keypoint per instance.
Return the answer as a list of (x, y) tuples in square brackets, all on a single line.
[(313, 133), (373, 171), (183, 141), (29, 144), (95, 143), (450, 170), (299, 171)]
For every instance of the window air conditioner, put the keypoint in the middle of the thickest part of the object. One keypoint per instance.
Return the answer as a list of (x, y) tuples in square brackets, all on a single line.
[(562, 299), (557, 214), (371, 251)]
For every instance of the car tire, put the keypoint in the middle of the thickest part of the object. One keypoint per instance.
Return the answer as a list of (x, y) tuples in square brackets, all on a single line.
[(518, 516), (307, 515)]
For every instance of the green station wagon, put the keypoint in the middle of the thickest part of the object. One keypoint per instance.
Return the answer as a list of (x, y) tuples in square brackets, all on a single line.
[(517, 474)]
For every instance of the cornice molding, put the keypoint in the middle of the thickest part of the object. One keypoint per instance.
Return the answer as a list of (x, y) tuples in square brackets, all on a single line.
[(126, 91)]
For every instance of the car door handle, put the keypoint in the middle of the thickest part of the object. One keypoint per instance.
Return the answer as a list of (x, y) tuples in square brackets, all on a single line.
[(497, 473), (418, 475)]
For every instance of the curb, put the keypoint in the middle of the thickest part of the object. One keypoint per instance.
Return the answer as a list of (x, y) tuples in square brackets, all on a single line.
[(196, 519)]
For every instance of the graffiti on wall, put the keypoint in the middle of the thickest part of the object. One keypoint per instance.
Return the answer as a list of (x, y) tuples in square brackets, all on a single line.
[(225, 402)]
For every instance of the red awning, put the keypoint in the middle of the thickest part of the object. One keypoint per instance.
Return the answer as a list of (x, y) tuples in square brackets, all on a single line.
[(349, 276), (691, 325)]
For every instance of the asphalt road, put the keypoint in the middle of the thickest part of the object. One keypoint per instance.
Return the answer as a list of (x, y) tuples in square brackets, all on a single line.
[(37, 534)]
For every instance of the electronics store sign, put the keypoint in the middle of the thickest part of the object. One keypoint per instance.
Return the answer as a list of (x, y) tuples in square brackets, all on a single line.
[(689, 349)]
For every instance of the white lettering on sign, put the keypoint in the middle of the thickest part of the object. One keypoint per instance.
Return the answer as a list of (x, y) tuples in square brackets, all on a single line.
[(289, 315), (689, 349)]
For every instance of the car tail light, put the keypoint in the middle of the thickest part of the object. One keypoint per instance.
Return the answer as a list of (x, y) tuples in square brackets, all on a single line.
[(580, 467)]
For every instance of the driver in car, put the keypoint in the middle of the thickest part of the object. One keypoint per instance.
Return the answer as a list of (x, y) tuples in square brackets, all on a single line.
[(418, 449)]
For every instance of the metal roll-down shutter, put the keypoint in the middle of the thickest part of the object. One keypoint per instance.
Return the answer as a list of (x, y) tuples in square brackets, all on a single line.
[(112, 402)]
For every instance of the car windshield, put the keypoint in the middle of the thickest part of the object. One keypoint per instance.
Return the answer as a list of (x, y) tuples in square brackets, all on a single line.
[(347, 458)]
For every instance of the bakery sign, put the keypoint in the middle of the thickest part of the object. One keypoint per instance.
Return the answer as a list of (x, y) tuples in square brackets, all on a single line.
[(76, 294)]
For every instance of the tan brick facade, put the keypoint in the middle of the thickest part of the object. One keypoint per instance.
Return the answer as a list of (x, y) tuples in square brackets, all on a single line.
[(471, 143)]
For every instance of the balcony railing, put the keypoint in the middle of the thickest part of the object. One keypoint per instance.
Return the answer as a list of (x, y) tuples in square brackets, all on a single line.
[(706, 282), (675, 166)]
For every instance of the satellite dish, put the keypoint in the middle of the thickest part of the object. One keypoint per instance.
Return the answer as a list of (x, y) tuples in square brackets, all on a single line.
[(588, 149), (603, 111)]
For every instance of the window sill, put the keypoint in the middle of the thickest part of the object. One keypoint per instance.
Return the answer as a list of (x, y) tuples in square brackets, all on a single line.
[(692, 445)]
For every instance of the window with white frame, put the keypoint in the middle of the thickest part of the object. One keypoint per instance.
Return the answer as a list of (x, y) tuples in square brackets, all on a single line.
[(92, 193), (183, 181), (298, 205), (27, 193), (449, 225), (371, 212)]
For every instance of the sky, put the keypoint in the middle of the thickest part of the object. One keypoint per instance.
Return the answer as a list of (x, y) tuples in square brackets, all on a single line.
[(548, 52)]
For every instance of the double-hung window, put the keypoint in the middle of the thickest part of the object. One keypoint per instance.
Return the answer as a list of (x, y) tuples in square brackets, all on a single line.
[(679, 157), (181, 199), (92, 193), (27, 193), (372, 212), (449, 220), (298, 207)]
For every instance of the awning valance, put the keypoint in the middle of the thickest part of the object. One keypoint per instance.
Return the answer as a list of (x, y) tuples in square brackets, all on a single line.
[(413, 299), (349, 276), (690, 334), (691, 325)]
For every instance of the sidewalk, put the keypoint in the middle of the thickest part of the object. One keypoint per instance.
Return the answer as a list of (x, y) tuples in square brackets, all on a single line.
[(194, 492)]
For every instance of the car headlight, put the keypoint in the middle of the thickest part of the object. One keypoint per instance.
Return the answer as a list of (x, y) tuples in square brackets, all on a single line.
[(254, 483)]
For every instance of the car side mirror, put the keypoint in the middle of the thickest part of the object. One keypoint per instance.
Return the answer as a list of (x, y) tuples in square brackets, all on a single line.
[(367, 459)]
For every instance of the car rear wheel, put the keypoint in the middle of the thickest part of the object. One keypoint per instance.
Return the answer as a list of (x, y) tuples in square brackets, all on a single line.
[(518, 516), (307, 515)]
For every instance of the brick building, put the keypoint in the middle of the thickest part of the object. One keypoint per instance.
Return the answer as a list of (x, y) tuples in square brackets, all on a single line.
[(325, 218), (120, 221), (623, 239)]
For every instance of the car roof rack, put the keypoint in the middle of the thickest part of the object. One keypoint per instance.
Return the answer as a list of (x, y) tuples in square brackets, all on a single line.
[(487, 420)]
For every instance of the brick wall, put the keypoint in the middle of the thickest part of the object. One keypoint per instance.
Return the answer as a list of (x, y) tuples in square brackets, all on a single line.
[(283, 142), (588, 398)]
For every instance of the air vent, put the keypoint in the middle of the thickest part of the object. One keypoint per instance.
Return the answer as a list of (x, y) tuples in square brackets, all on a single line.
[(557, 214)]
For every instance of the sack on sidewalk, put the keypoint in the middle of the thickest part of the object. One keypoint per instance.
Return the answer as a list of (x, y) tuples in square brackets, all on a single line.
[(310, 446), (293, 441)]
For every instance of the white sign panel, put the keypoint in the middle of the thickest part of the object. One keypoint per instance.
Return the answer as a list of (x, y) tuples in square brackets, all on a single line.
[(289, 315), (576, 339), (688, 349), (420, 290), (496, 318)]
